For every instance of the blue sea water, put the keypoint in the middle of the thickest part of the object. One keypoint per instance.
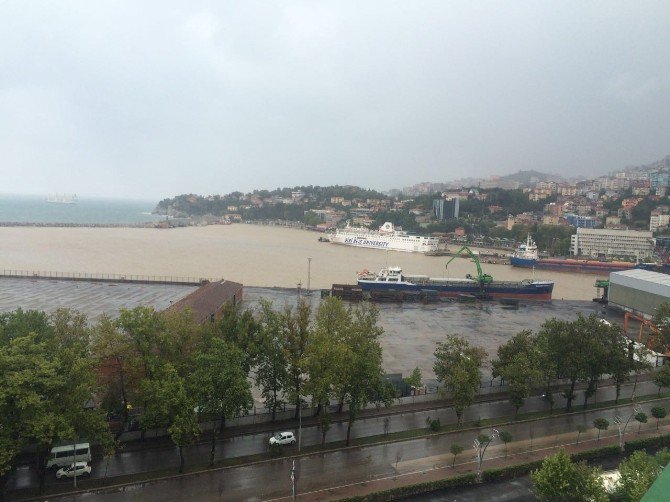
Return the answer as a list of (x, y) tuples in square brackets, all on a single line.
[(35, 209)]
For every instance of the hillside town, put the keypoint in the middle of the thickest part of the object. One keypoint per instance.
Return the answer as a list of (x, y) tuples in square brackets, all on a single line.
[(623, 215)]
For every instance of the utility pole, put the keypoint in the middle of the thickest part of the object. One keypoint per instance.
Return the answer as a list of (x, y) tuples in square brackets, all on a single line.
[(309, 270), (74, 452), (293, 479)]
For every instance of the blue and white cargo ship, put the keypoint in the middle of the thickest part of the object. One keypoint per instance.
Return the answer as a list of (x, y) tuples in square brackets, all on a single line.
[(392, 279)]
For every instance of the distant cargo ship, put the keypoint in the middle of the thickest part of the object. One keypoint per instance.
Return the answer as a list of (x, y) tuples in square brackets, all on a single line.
[(526, 256), (62, 199), (393, 280), (387, 237)]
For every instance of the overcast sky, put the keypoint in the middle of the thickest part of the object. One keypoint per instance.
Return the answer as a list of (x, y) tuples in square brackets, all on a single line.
[(149, 99)]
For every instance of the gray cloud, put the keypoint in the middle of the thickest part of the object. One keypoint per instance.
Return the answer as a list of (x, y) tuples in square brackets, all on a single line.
[(150, 99)]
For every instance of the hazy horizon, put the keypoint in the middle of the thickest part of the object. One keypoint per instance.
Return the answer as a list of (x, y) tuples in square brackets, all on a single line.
[(154, 99)]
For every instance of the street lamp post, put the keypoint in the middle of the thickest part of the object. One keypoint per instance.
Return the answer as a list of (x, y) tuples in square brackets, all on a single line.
[(293, 479), (299, 423), (480, 449), (622, 427), (309, 273)]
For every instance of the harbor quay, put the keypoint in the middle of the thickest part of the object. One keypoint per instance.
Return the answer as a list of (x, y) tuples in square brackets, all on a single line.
[(411, 330)]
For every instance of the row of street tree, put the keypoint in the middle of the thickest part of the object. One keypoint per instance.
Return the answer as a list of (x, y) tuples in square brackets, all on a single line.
[(60, 379), (583, 350)]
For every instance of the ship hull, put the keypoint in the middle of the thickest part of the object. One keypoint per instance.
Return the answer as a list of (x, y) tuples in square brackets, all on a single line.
[(584, 266), (525, 291)]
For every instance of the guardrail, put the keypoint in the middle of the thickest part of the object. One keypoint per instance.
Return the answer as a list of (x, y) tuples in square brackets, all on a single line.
[(99, 277)]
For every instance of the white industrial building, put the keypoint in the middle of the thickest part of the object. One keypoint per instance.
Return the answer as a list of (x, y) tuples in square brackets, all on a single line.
[(612, 243), (639, 291)]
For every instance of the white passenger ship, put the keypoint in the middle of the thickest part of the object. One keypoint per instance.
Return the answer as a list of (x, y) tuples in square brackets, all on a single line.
[(386, 237)]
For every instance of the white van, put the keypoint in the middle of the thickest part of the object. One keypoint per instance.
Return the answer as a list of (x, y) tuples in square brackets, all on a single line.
[(65, 455)]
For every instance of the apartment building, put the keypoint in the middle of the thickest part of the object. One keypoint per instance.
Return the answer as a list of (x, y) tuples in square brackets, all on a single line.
[(611, 243)]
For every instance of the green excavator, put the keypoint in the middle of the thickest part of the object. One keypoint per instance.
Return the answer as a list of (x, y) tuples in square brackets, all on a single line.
[(481, 276)]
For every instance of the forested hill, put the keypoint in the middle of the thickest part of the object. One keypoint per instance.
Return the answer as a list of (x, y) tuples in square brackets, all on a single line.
[(259, 203)]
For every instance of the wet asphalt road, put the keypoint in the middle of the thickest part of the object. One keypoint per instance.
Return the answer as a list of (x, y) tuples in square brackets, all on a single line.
[(162, 458), (270, 480)]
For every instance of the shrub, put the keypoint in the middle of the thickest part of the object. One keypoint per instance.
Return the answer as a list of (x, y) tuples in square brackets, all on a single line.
[(643, 444), (605, 451), (513, 471), (407, 491), (276, 450), (435, 425)]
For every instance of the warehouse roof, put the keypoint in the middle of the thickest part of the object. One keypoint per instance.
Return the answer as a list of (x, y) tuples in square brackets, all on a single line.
[(642, 275), (208, 299)]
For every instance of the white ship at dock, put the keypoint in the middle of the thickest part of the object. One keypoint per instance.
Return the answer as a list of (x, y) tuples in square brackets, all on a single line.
[(387, 237), (62, 199)]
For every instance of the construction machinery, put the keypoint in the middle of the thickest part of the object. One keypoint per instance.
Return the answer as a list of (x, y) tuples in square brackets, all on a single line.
[(481, 276)]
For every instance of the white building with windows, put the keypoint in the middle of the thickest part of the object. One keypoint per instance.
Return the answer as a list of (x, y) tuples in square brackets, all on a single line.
[(612, 243)]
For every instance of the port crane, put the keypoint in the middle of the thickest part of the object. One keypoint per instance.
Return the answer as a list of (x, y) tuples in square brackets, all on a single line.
[(481, 276)]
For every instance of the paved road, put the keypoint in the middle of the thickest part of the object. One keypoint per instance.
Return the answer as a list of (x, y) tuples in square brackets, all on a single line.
[(162, 458), (269, 480)]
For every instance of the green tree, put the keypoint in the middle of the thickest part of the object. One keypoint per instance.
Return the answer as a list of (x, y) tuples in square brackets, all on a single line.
[(414, 379), (183, 431), (658, 412), (601, 424), (637, 474), (581, 429), (219, 384), (326, 358), (567, 347), (505, 437), (142, 326), (272, 365), (561, 480), (298, 336), (641, 418), (455, 449), (363, 379), (662, 377), (114, 351), (663, 457), (177, 339), (46, 380), (170, 406), (458, 366), (518, 365), (239, 327)]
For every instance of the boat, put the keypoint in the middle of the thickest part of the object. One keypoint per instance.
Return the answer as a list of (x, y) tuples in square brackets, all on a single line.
[(387, 237), (62, 199), (526, 256), (393, 279)]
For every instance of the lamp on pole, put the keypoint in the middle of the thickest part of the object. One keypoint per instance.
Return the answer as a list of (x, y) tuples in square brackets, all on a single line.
[(299, 423), (293, 479), (622, 427), (309, 273), (480, 444)]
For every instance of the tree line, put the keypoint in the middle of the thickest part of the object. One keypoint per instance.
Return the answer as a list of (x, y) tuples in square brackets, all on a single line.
[(60, 379), (583, 350)]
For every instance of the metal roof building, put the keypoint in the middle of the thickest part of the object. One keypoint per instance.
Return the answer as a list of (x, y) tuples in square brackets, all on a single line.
[(640, 291)]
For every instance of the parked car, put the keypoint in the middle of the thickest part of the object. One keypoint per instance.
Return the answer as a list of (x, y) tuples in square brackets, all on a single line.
[(82, 469), (283, 438)]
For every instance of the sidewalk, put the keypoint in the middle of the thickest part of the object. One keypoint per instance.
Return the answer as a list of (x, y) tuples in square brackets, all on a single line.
[(410, 473)]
